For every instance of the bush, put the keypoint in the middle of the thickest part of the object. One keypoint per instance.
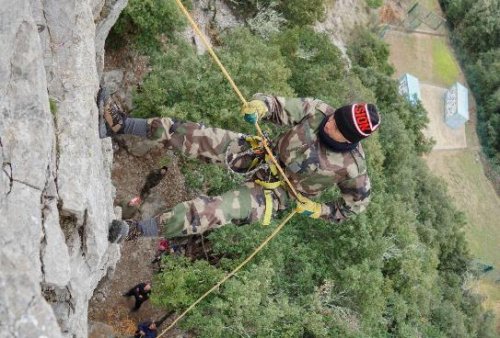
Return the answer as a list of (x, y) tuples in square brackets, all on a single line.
[(182, 282), (374, 4), (296, 12), (368, 51), (192, 87), (303, 12), (146, 21), (318, 69), (211, 179), (267, 22)]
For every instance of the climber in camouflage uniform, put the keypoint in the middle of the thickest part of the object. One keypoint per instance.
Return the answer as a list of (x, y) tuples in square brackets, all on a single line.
[(320, 149)]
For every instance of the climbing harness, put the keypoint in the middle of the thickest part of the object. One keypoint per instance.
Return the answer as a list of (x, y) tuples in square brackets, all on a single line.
[(261, 164), (269, 160), (256, 152)]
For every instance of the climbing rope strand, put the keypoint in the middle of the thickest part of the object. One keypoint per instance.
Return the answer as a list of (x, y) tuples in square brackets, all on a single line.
[(271, 156), (275, 162), (210, 50), (232, 273), (237, 91)]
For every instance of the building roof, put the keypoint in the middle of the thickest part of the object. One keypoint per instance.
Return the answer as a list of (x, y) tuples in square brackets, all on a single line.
[(410, 87), (462, 101)]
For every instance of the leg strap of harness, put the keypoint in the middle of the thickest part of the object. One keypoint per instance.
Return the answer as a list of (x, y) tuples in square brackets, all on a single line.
[(269, 207), (268, 187)]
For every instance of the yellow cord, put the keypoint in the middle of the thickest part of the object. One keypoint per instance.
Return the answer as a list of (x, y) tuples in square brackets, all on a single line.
[(210, 50), (271, 156), (275, 162), (235, 88), (232, 273)]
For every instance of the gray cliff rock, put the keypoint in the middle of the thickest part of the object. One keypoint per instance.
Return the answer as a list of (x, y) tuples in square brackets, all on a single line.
[(342, 16), (204, 12), (55, 186)]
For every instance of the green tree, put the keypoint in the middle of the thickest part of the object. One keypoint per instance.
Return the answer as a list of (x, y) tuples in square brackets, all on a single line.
[(366, 51), (318, 69), (479, 30), (303, 12), (296, 12), (191, 87), (456, 10), (146, 21), (484, 73)]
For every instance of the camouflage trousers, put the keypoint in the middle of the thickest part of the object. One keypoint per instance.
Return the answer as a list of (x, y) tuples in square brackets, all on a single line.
[(243, 205)]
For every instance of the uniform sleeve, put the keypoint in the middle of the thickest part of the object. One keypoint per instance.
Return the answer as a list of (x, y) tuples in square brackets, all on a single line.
[(355, 198), (288, 111)]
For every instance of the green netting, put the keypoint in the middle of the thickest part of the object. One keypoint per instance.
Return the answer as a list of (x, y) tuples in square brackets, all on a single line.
[(418, 14)]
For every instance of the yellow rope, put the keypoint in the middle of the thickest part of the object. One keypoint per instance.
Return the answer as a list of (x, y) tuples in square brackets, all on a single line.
[(275, 162), (232, 273), (210, 50), (271, 156), (235, 88)]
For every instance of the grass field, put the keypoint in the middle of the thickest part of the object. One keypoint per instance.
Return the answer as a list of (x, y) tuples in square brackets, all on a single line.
[(472, 193), (426, 56), (445, 67)]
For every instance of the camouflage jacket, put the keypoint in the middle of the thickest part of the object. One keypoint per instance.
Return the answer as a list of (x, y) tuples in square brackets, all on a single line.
[(311, 167)]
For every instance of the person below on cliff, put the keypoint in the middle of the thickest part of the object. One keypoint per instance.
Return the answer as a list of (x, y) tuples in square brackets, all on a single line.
[(141, 293), (149, 329), (153, 178), (146, 330), (320, 149)]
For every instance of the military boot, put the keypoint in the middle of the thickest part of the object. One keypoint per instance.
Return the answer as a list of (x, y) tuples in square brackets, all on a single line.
[(118, 231), (111, 116), (130, 229)]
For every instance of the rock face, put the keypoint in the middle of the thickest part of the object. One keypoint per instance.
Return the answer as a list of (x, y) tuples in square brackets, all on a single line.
[(342, 16), (55, 186), (204, 13)]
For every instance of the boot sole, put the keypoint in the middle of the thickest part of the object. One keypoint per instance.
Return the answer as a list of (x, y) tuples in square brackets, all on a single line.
[(117, 231), (102, 97)]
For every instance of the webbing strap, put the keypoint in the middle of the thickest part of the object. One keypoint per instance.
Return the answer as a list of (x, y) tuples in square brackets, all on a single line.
[(269, 185), (269, 207), (254, 142), (272, 166)]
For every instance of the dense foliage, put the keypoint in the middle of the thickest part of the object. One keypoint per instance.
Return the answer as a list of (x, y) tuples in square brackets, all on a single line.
[(296, 12), (398, 270), (476, 33), (148, 23)]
